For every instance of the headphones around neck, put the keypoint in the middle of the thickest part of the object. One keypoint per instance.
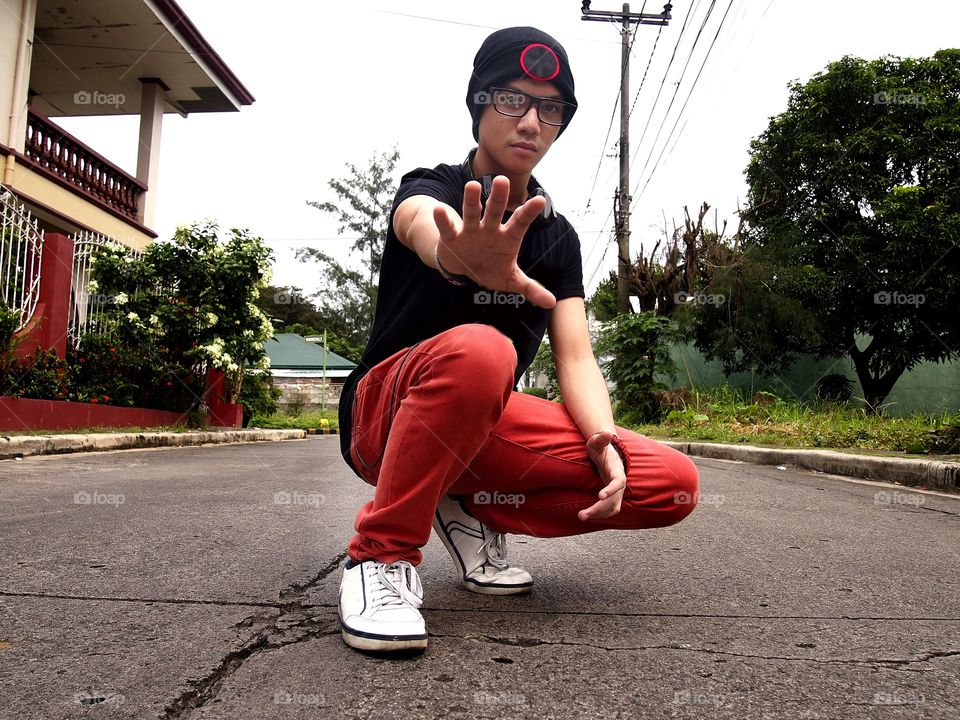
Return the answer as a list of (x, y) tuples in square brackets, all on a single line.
[(486, 184)]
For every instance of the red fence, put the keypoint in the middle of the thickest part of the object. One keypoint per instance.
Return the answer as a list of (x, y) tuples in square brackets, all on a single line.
[(48, 330)]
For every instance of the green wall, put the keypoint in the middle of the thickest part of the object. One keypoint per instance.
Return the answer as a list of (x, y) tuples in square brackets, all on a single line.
[(929, 388)]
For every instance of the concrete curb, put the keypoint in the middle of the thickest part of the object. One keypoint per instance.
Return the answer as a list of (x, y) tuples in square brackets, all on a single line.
[(25, 445), (915, 473)]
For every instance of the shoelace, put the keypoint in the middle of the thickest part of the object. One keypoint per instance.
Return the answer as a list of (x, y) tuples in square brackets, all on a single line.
[(496, 549), (399, 585)]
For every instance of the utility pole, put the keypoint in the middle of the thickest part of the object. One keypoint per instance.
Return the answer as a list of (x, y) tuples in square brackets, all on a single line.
[(621, 199)]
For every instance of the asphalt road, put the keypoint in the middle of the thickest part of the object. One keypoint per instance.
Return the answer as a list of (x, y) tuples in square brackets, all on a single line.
[(201, 583)]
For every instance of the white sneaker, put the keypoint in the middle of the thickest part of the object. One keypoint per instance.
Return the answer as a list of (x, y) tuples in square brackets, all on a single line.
[(479, 554), (378, 607)]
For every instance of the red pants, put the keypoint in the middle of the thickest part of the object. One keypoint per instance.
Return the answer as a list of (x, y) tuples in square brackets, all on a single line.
[(442, 417)]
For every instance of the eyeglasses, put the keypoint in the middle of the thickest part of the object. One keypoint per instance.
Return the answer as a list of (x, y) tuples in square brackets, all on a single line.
[(514, 103)]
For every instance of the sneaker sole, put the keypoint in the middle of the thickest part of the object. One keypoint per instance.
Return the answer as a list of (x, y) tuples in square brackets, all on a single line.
[(471, 585), (382, 643), (494, 589)]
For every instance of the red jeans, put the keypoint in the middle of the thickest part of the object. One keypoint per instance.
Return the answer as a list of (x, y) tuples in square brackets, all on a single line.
[(442, 417)]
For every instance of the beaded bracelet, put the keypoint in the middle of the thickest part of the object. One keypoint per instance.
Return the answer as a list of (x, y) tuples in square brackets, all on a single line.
[(622, 452)]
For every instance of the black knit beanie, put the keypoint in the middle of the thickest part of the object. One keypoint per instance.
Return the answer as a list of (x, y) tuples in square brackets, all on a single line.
[(514, 53)]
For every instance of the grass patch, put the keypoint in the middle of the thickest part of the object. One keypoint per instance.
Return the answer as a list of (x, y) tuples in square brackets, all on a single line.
[(301, 421), (731, 416)]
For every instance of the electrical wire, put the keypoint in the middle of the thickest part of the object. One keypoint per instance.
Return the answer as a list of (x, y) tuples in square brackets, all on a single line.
[(613, 114), (676, 91), (686, 23), (682, 109)]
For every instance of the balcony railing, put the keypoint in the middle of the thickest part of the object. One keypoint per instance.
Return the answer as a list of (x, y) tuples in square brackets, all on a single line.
[(75, 165)]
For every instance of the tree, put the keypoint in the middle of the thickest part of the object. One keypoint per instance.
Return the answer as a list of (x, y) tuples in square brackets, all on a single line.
[(366, 197), (187, 306), (637, 349), (543, 364), (291, 311), (854, 220), (675, 271)]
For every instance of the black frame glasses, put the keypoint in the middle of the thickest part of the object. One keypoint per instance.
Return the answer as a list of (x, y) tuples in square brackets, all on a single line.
[(508, 106)]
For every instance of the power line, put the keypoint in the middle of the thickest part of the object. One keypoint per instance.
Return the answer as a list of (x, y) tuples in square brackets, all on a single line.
[(690, 12), (622, 200), (613, 114), (676, 89), (680, 114)]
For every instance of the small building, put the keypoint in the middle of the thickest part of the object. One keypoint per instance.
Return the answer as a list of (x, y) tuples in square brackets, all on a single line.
[(307, 379)]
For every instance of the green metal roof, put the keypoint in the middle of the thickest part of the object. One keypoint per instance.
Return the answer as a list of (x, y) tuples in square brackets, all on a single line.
[(289, 351)]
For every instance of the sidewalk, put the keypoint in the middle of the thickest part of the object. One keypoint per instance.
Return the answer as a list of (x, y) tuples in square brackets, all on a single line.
[(20, 446), (927, 474), (200, 583)]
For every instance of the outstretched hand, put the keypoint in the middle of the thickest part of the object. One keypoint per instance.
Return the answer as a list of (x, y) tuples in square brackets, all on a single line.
[(610, 466), (484, 248)]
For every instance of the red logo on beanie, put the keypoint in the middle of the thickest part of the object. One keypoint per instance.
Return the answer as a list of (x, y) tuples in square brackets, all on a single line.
[(540, 62)]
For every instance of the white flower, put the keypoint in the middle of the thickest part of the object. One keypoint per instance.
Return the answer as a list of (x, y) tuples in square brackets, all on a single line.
[(121, 299), (233, 367), (93, 286), (227, 358), (211, 319), (213, 350), (133, 317), (266, 327)]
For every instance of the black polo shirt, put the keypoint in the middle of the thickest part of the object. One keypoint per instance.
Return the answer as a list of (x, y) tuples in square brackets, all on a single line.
[(414, 302)]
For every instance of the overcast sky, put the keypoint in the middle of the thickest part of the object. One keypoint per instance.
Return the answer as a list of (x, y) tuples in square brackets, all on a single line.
[(337, 82)]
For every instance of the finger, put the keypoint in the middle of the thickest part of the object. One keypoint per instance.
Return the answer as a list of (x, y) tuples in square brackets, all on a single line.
[(599, 511), (472, 207), (524, 216), (445, 224), (535, 292), (617, 486), (497, 202), (599, 441)]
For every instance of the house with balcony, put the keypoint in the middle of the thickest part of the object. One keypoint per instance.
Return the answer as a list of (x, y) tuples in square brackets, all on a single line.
[(60, 198), (68, 58)]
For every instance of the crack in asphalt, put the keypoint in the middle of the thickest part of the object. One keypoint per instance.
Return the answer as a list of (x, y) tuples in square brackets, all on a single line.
[(149, 601), (536, 642), (938, 510), (288, 627), (685, 616)]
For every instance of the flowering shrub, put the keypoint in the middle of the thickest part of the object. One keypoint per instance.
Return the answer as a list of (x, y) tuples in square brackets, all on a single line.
[(41, 376), (184, 307), (9, 320)]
